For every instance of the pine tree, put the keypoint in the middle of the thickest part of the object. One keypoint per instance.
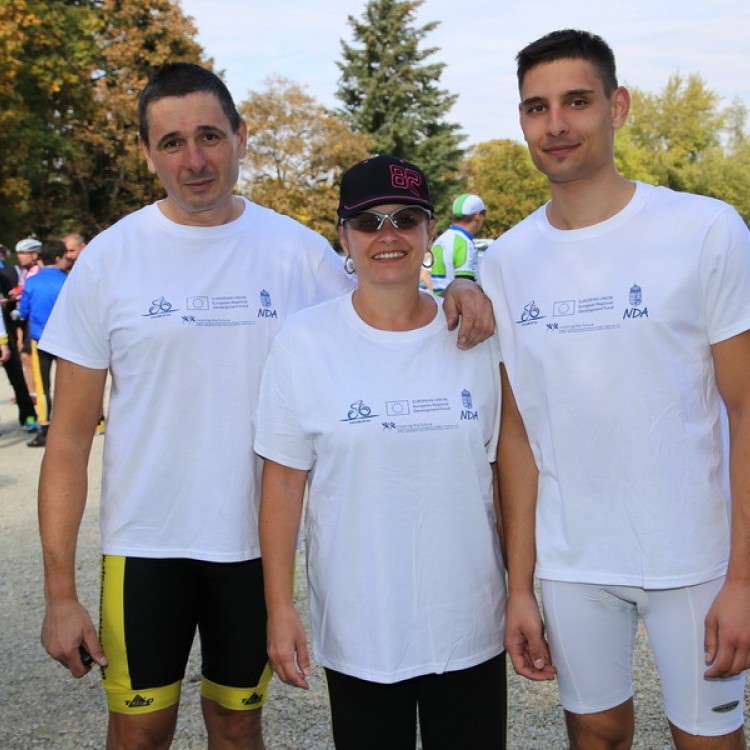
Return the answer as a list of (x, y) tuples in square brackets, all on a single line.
[(390, 91)]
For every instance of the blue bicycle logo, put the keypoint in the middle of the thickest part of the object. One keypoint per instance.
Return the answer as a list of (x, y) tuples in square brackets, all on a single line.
[(358, 410), (530, 312), (160, 306)]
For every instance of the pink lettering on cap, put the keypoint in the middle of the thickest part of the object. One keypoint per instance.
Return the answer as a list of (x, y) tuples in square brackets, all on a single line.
[(404, 178)]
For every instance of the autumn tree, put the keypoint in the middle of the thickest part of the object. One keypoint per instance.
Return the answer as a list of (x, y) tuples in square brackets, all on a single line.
[(135, 38), (390, 90), (70, 72), (297, 151), (46, 50)]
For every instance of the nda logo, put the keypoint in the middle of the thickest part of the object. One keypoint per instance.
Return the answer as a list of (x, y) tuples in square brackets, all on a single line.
[(468, 413), (635, 298), (265, 310)]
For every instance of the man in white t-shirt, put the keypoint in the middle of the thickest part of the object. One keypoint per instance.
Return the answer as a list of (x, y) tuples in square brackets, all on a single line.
[(180, 483), (624, 319)]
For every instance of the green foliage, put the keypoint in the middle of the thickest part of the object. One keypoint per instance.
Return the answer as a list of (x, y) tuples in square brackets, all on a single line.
[(632, 160), (678, 124), (679, 137), (724, 176), (683, 139), (502, 174), (297, 151), (137, 37), (390, 91), (41, 95), (70, 72)]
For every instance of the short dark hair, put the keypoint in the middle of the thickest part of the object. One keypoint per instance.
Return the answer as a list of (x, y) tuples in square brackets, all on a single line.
[(571, 44), (51, 251), (181, 79)]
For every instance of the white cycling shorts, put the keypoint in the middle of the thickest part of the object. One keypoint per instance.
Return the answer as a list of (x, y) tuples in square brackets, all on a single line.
[(591, 630)]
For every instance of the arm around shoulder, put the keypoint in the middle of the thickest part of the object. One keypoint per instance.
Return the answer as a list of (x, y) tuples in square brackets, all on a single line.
[(464, 302)]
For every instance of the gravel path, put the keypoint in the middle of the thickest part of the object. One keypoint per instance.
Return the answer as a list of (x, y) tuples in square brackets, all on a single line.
[(42, 707)]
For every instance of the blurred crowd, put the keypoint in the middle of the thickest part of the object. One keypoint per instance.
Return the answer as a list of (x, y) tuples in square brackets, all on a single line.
[(31, 277)]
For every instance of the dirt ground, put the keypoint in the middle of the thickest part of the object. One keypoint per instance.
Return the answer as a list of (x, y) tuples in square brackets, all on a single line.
[(43, 707)]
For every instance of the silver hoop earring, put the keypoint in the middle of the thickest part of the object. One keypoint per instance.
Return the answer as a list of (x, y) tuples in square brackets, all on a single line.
[(349, 265), (428, 262)]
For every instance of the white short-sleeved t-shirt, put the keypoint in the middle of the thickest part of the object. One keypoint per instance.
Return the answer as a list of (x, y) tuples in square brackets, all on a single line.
[(184, 317), (606, 335), (398, 430)]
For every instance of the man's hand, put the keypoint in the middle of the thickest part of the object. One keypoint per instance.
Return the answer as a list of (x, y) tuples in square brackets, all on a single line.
[(287, 648), (66, 628), (464, 301), (524, 639), (727, 637), (4, 353)]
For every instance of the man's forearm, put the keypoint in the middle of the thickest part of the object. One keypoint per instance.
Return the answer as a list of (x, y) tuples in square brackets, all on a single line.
[(63, 481), (518, 481), (738, 570), (62, 499), (731, 365), (518, 512)]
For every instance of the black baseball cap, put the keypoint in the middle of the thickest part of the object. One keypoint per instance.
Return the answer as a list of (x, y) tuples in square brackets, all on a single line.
[(382, 179)]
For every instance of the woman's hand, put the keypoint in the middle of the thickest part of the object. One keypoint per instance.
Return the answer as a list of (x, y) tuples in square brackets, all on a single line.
[(287, 648)]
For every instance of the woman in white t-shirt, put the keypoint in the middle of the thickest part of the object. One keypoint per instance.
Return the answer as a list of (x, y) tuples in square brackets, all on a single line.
[(368, 398)]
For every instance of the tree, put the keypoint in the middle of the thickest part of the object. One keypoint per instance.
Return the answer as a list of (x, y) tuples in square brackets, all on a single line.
[(683, 139), (633, 161), (680, 138), (70, 72), (676, 126), (722, 176), (502, 174), (44, 45), (297, 151), (736, 121), (389, 91), (724, 171), (110, 178)]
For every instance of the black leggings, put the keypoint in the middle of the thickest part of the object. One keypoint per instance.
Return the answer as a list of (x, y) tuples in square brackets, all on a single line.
[(14, 370), (45, 360), (462, 709)]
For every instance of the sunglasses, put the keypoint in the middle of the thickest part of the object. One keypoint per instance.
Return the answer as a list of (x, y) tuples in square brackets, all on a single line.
[(402, 219)]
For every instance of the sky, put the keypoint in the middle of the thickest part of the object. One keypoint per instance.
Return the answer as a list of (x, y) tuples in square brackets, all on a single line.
[(652, 39)]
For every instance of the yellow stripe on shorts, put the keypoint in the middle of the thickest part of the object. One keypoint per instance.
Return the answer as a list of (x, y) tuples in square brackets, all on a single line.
[(238, 699), (121, 697)]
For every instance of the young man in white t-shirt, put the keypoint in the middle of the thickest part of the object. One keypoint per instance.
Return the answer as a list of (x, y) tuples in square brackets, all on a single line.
[(624, 317), (180, 481)]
